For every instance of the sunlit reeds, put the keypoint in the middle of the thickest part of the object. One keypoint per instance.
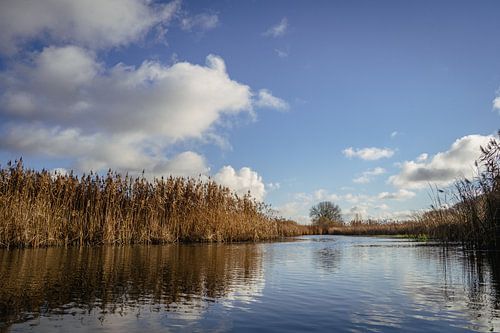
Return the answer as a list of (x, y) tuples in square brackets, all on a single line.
[(39, 208), (374, 227), (473, 217), (468, 213)]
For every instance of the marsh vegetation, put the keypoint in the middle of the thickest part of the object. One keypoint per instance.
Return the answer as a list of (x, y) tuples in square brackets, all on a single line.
[(40, 208), (466, 213)]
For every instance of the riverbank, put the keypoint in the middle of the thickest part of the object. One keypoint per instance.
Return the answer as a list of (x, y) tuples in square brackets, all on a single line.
[(39, 208)]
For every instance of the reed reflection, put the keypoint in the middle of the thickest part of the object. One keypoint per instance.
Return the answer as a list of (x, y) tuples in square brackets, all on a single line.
[(467, 282), (49, 281)]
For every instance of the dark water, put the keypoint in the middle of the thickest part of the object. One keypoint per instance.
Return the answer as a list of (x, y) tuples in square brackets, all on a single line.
[(321, 283)]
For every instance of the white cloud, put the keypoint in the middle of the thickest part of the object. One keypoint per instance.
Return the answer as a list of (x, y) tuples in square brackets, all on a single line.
[(273, 186), (59, 171), (201, 22), (296, 210), (278, 29), (381, 207), (92, 23), (64, 103), (400, 195), (362, 180), (265, 99), (394, 134), (496, 104), (444, 167), (99, 151), (356, 212), (186, 164), (324, 195), (368, 175), (70, 89), (422, 157), (241, 181), (370, 154), (356, 198)]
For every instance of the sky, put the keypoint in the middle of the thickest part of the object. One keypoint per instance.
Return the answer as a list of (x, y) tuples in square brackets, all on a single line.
[(369, 104)]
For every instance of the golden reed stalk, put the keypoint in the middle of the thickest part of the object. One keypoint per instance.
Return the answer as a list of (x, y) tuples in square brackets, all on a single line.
[(39, 208)]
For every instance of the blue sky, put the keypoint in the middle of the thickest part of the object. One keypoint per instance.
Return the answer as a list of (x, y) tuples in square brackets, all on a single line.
[(360, 102)]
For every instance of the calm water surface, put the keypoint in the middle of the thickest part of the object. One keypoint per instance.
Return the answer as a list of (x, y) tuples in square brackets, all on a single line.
[(317, 283)]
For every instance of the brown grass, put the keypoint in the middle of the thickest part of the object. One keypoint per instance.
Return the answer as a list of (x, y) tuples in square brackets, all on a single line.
[(38, 208)]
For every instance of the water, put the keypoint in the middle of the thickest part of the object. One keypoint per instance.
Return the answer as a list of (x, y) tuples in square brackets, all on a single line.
[(317, 283)]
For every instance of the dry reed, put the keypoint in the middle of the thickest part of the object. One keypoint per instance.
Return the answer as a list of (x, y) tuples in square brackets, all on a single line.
[(39, 208), (468, 213)]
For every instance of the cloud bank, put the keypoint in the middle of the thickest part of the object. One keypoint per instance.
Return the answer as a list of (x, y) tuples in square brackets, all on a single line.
[(66, 103), (59, 99), (444, 167)]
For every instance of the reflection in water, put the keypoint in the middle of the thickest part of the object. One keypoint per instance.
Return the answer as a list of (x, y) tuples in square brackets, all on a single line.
[(446, 287), (393, 284), (116, 280), (322, 283), (328, 258)]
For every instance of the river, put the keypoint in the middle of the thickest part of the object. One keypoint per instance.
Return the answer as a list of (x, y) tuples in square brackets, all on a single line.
[(312, 283)]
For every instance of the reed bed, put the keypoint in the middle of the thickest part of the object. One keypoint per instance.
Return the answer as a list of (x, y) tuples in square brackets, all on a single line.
[(471, 215), (467, 213), (373, 227), (39, 208)]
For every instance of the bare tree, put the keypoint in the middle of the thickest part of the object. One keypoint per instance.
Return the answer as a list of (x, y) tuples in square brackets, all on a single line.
[(326, 214)]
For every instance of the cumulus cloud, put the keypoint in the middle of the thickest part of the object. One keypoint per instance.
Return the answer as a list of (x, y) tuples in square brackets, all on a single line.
[(265, 99), (62, 101), (400, 195), (65, 103), (444, 167), (242, 181), (92, 23), (369, 154), (100, 151), (368, 175), (186, 164), (201, 22), (278, 29)]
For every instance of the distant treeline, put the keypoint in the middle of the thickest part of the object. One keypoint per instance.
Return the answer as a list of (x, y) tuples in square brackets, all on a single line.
[(468, 213), (40, 208)]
